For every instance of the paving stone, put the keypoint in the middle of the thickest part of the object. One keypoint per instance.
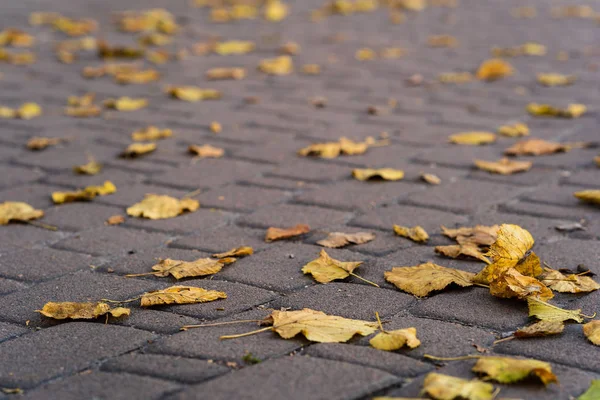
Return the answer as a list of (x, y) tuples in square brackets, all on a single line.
[(186, 223), (35, 194), (587, 177), (102, 385), (12, 175), (147, 319), (9, 331), (288, 215), (241, 198), (9, 286), (222, 239), (120, 177), (568, 253), (186, 370), (42, 264), (79, 216), (16, 236), (408, 215), (385, 241), (143, 261), (62, 350), (311, 171)]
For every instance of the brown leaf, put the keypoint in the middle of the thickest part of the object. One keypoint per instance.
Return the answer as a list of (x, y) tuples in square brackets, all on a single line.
[(115, 220), (40, 143), (155, 206), (591, 330), (242, 251), (187, 269), (286, 233), (18, 211), (151, 133), (67, 309), (466, 249), (540, 328), (326, 269), (504, 166), (512, 284), (423, 279), (568, 284), (416, 233), (206, 151), (535, 147), (340, 239), (180, 295), (193, 93)]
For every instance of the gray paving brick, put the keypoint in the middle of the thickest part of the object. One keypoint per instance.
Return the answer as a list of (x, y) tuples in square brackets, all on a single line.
[(311, 171), (198, 220), (80, 216), (241, 198), (16, 236), (9, 285), (36, 194), (568, 253), (43, 264), (12, 175), (408, 215), (287, 215), (147, 319), (222, 239), (9, 331)]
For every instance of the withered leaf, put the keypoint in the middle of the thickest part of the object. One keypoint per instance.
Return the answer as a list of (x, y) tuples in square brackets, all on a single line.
[(187, 269), (416, 233), (138, 149), (386, 174), (591, 330), (493, 69), (540, 328), (180, 295), (85, 194), (242, 251), (514, 130), (455, 77), (558, 282), (233, 47), (150, 133), (552, 79), (83, 111), (281, 65), (311, 69), (206, 151), (546, 110), (512, 284), (40, 143), (466, 249), (326, 269), (16, 37), (510, 370), (479, 234), (365, 54), (343, 146), (115, 220), (446, 387), (275, 11), (473, 138), (340, 239), (18, 211), (423, 279), (137, 76), (155, 206), (125, 104), (215, 127), (225, 73), (285, 233), (548, 312), (72, 310), (504, 166), (589, 196), (106, 50), (193, 93), (442, 41), (92, 167), (431, 179), (535, 147), (29, 111), (396, 339)]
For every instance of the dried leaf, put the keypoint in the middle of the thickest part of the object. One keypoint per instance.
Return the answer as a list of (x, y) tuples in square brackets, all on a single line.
[(151, 133), (510, 370), (513, 284), (85, 194), (233, 47), (193, 93), (188, 269), (416, 233), (281, 65), (591, 330), (593, 391), (225, 73), (540, 328), (311, 69), (365, 54), (493, 69), (72, 310), (431, 179), (29, 111), (511, 245), (455, 77), (442, 41), (548, 312), (589, 196), (16, 37), (340, 239), (473, 138), (115, 220), (137, 77), (92, 167), (466, 249), (386, 174), (138, 149), (515, 130), (206, 151), (570, 227), (286, 233), (479, 234), (446, 387), (125, 104), (396, 339), (180, 295), (546, 110), (155, 206), (40, 143), (83, 111), (535, 147), (504, 166), (18, 211), (343, 146), (275, 11), (326, 269), (558, 282), (423, 279), (106, 50), (556, 79), (242, 251)]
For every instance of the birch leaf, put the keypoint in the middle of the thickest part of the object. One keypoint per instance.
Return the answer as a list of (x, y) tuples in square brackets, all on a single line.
[(138, 149), (155, 206), (513, 284), (187, 269), (546, 110), (125, 104), (591, 330), (180, 295), (504, 166), (85, 194), (589, 196), (514, 130), (151, 133), (423, 279), (535, 147), (494, 69), (193, 93), (558, 282), (540, 328), (236, 252), (556, 79), (511, 245), (281, 65), (386, 174), (286, 233), (92, 167), (473, 138), (446, 387), (72, 310), (396, 339), (326, 269), (340, 239), (416, 233), (206, 151), (18, 211), (593, 391), (510, 370), (548, 312)]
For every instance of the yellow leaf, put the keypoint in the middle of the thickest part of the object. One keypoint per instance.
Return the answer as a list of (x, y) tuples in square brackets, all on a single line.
[(233, 47), (446, 387), (29, 111), (333, 149), (556, 79), (556, 281), (591, 330), (91, 168), (339, 239), (242, 251), (386, 174), (540, 328), (187, 269), (72, 310), (326, 269), (510, 370), (115, 220), (155, 206), (511, 245), (365, 54), (107, 51), (193, 93), (473, 138), (125, 104), (225, 73), (589, 196), (18, 211), (138, 149), (504, 166), (535, 147), (442, 41), (137, 77), (394, 340), (84, 194), (512, 284), (548, 312), (426, 278), (431, 179), (479, 234), (593, 391), (546, 110), (493, 69), (40, 143), (151, 133), (180, 295), (515, 130), (6, 112), (16, 37), (457, 250), (416, 233), (530, 266), (282, 65), (206, 151), (286, 233), (275, 11)]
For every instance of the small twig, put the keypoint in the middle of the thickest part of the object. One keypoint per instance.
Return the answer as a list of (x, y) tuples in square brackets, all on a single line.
[(480, 285), (186, 327), (379, 322), (143, 274), (192, 193), (506, 339), (468, 357)]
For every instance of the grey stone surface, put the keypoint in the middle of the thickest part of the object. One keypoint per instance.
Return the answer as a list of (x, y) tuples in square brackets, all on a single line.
[(42, 264)]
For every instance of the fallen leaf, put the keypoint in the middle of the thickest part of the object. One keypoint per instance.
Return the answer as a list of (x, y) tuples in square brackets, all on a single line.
[(115, 220), (512, 284), (589, 196), (504, 166), (442, 41), (394, 340), (18, 211), (540, 328), (365, 54), (548, 312), (187, 269), (40, 143), (473, 138), (193, 93), (233, 47), (535, 147), (108, 51), (206, 151), (446, 387), (151, 133), (340, 239), (423, 279), (83, 111), (514, 130), (311, 69), (125, 104), (326, 269), (510, 370), (556, 79), (281, 65), (137, 76), (546, 110), (225, 73), (343, 146), (275, 11), (92, 167), (570, 227), (285, 233), (466, 249), (180, 295), (493, 69), (290, 48), (155, 206), (242, 251), (558, 282), (431, 179), (85, 194), (386, 174), (215, 127), (591, 330), (455, 77), (416, 233), (526, 49), (72, 310), (138, 149), (479, 234), (29, 111), (593, 391), (511, 245)]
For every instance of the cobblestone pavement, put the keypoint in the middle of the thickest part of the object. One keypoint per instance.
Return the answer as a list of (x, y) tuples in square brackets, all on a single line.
[(261, 182)]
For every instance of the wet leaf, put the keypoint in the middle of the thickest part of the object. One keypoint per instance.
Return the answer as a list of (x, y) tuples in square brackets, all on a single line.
[(180, 295), (588, 196), (340, 239), (275, 11), (225, 73), (514, 130), (473, 138), (511, 370), (286, 233), (548, 312), (193, 93), (446, 387), (40, 143), (125, 104), (206, 151), (512, 284), (535, 147), (431, 179), (72, 310), (546, 110), (92, 167), (591, 330), (556, 79), (423, 279), (416, 233), (572, 283), (326, 269), (115, 220), (242, 251), (281, 65), (540, 328), (151, 133), (386, 174), (504, 166), (155, 206), (494, 69), (138, 149), (234, 47), (18, 211), (593, 391), (187, 269), (85, 194)]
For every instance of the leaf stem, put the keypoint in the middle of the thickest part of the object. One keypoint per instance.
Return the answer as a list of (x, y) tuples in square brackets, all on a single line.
[(363, 279), (144, 274), (121, 301), (468, 357), (42, 225), (186, 327), (506, 339), (379, 322), (268, 328), (480, 285)]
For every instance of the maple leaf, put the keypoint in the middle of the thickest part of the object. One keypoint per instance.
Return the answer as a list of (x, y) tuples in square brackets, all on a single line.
[(494, 69), (180, 295), (125, 104), (281, 65), (285, 233), (591, 330), (593, 391), (589, 196), (510, 370), (431, 179), (242, 251), (40, 143), (473, 138), (85, 194), (535, 147), (151, 133), (540, 328), (513, 284), (546, 110), (138, 149), (193, 93), (155, 206), (18, 211), (416, 233), (72, 310), (233, 47), (326, 269), (572, 283), (514, 130), (340, 239), (386, 174), (446, 387), (504, 166), (92, 167), (225, 73), (548, 312), (556, 79), (394, 340), (425, 278), (206, 151)]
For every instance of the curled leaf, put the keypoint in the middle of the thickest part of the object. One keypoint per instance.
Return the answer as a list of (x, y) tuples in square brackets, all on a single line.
[(535, 147), (115, 220), (187, 269), (465, 249), (340, 239), (151, 133), (18, 211), (343, 146), (423, 279), (511, 245), (180, 295), (72, 310), (504, 166), (513, 284), (446, 387), (473, 138), (591, 330), (416, 233), (540, 328), (92, 167), (286, 233), (386, 174), (155, 206), (242, 251), (138, 149), (588, 196), (572, 283), (85, 194), (510, 370), (206, 151), (396, 339), (496, 68)]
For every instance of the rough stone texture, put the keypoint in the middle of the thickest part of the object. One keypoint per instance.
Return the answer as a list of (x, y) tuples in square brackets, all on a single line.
[(43, 264)]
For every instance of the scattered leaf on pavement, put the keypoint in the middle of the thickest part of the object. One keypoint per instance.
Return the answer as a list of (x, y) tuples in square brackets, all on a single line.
[(446, 387), (416, 233), (458, 250), (151, 133), (193, 93), (514, 130), (386, 174), (589, 196), (72, 310), (155, 206), (18, 211), (180, 295), (423, 279), (473, 138), (548, 312), (511, 370), (546, 110), (281, 65), (138, 149), (242, 251), (326, 269), (431, 179), (115, 220), (504, 166), (540, 328), (394, 340), (92, 167), (343, 146), (591, 330), (340, 239), (233, 47), (494, 69), (556, 79), (40, 143), (187, 269), (512, 284), (285, 233), (535, 147), (85, 194), (206, 151), (572, 283), (225, 73), (125, 104)]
